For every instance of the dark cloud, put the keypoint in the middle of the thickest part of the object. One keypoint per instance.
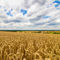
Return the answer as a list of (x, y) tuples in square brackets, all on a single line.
[(36, 24), (53, 24), (9, 21)]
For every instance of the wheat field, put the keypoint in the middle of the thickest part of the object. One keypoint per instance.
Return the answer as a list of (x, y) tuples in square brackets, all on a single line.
[(29, 46)]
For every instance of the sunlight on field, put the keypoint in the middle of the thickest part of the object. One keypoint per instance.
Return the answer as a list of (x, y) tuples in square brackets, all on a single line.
[(29, 46)]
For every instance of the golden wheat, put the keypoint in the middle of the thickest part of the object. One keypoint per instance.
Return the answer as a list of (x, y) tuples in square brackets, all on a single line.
[(29, 46)]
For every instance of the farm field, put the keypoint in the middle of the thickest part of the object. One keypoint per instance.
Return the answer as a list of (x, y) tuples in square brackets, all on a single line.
[(30, 45)]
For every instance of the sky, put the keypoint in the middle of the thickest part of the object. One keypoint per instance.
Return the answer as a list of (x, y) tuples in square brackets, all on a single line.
[(29, 14)]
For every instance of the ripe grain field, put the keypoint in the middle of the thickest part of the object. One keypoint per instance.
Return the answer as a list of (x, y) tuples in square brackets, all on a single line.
[(29, 46)]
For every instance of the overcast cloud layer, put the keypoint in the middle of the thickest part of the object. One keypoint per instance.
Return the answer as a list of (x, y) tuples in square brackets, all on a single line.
[(30, 14)]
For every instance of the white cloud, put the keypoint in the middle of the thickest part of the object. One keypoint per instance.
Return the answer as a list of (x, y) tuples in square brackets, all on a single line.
[(58, 20), (36, 9)]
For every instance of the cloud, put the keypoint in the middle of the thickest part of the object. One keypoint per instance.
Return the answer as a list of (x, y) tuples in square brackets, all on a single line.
[(29, 14)]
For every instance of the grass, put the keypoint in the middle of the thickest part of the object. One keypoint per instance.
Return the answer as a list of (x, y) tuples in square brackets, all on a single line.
[(28, 45)]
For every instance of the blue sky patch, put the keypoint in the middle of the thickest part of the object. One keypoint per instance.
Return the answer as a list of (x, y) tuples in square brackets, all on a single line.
[(57, 1), (23, 11), (56, 5), (9, 12), (46, 17)]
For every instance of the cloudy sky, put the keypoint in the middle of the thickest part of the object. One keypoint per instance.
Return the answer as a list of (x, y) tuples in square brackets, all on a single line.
[(29, 14)]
